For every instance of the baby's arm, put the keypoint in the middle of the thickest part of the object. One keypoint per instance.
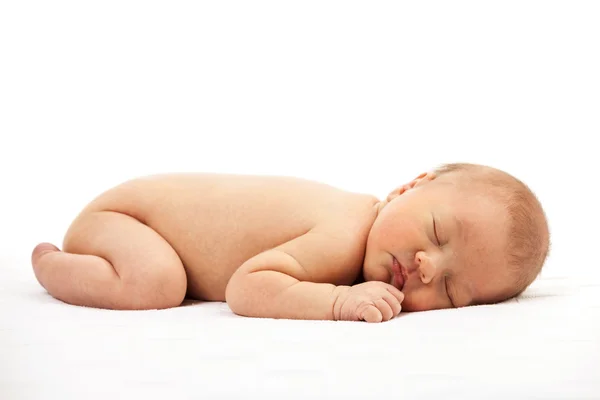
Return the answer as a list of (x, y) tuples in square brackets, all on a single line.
[(297, 280)]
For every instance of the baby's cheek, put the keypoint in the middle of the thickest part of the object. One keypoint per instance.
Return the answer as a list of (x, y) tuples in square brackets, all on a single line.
[(404, 234), (392, 229), (376, 273)]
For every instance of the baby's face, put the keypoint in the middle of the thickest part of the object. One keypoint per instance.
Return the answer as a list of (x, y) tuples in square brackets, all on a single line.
[(441, 246)]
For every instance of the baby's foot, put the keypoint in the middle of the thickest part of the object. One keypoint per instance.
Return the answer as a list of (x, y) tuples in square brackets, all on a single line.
[(40, 250), (36, 258)]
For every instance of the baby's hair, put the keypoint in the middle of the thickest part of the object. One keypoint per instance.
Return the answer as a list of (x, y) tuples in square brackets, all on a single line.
[(529, 236)]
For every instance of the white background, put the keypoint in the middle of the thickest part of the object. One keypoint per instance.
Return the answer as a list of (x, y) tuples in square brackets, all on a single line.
[(362, 95)]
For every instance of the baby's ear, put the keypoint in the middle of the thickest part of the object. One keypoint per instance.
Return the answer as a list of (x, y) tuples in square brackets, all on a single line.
[(418, 181)]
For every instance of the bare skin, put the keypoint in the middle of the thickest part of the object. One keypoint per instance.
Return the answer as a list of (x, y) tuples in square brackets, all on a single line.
[(279, 247), (150, 242)]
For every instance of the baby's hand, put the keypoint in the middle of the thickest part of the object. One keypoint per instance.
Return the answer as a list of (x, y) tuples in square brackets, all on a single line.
[(371, 301)]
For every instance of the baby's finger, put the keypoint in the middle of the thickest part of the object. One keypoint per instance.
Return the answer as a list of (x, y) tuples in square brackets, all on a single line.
[(386, 310), (371, 314), (394, 303), (397, 293)]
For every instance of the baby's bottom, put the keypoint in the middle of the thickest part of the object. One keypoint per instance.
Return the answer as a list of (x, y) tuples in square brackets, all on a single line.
[(111, 260)]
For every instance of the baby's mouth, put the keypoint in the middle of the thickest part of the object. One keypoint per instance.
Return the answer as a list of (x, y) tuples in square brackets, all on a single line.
[(399, 278)]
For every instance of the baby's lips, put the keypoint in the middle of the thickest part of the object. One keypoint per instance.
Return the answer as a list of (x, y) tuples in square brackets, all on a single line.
[(398, 275)]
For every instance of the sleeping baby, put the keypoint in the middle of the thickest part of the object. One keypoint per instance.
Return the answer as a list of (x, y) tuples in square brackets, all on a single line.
[(280, 247)]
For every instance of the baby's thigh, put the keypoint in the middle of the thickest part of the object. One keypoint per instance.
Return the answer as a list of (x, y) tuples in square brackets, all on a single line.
[(145, 262)]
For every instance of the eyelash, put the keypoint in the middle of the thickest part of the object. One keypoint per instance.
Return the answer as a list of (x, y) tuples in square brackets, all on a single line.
[(437, 239)]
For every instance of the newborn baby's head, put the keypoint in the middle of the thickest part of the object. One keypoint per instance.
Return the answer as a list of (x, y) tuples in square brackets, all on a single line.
[(461, 235)]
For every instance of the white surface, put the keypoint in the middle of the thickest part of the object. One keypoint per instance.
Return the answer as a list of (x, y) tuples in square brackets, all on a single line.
[(545, 345)]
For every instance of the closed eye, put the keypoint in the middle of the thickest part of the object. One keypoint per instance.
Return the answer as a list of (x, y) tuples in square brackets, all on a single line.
[(437, 239)]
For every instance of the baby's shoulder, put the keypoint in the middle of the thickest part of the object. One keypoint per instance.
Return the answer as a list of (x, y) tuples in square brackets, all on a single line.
[(350, 218)]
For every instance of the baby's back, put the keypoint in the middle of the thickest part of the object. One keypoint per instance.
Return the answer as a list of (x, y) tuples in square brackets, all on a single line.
[(215, 222)]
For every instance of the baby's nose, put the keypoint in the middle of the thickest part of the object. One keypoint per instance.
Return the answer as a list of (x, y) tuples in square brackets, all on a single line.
[(425, 267), (421, 259)]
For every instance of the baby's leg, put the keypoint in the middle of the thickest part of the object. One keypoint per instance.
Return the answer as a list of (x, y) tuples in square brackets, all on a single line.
[(111, 260)]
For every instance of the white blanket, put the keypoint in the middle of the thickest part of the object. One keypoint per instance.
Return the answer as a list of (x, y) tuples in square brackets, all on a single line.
[(543, 345)]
